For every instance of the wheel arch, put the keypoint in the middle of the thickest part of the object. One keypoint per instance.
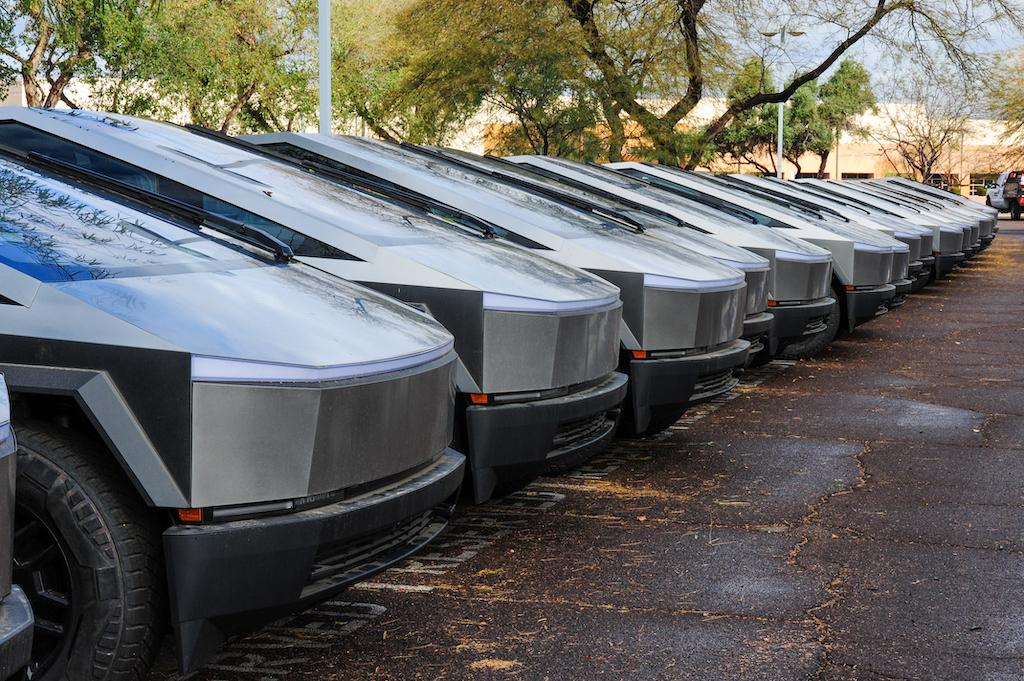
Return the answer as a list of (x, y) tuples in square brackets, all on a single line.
[(80, 396)]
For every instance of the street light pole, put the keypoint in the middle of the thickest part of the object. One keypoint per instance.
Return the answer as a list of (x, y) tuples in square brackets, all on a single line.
[(778, 167), (782, 33), (324, 59)]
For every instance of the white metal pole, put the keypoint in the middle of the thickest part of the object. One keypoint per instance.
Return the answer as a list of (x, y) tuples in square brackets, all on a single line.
[(324, 58), (778, 168)]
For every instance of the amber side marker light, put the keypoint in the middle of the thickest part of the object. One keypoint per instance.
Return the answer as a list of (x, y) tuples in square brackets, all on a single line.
[(639, 354), (190, 515), (850, 288), (478, 398), (772, 303)]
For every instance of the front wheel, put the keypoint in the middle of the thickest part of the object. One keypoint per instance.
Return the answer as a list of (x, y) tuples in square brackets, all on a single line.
[(87, 554)]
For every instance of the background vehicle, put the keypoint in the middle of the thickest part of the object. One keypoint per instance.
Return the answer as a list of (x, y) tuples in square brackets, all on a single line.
[(994, 196), (1013, 197), (948, 238), (186, 406), (682, 312), (800, 273), (862, 262)]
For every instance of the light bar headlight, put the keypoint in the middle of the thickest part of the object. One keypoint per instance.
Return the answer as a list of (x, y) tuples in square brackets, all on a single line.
[(223, 369)]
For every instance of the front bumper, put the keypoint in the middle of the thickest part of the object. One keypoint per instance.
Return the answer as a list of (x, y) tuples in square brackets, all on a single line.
[(16, 624), (757, 330), (946, 263), (794, 322), (678, 382), (512, 440), (230, 577), (863, 305), (903, 287)]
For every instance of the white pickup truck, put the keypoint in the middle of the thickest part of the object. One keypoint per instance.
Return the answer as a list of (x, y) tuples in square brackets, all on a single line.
[(994, 195), (1005, 195)]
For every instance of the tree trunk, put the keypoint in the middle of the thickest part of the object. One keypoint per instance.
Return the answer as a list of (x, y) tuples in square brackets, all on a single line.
[(821, 168), (617, 131), (246, 96)]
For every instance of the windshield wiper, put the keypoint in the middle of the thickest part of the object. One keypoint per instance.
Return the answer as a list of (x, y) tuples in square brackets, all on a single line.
[(239, 230), (556, 194), (362, 182)]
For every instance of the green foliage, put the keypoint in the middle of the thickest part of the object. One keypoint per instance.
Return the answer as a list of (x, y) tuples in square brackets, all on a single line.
[(752, 133), (49, 42), (812, 118), (846, 94), (240, 65)]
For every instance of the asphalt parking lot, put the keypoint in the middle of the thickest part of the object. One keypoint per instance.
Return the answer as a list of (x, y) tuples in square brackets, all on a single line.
[(858, 517)]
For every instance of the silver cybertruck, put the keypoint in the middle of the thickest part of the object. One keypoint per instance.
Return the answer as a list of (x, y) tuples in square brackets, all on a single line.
[(205, 426), (862, 263), (682, 314), (798, 283), (537, 341), (948, 238), (981, 227), (918, 239), (987, 216), (905, 263)]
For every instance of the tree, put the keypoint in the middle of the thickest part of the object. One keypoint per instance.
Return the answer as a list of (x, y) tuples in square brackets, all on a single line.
[(846, 95), (751, 134), (244, 65), (653, 60), (925, 120), (405, 70), (48, 42)]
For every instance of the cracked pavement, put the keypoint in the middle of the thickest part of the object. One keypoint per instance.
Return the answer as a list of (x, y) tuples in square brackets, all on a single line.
[(854, 517)]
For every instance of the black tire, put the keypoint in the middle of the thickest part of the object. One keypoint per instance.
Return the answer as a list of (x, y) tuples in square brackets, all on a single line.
[(988, 201), (811, 346), (1014, 212), (87, 554)]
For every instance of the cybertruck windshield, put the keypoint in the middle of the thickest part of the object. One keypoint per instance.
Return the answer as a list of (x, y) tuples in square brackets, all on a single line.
[(124, 262)]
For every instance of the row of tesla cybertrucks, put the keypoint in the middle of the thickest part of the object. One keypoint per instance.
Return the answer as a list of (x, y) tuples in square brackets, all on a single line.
[(246, 372)]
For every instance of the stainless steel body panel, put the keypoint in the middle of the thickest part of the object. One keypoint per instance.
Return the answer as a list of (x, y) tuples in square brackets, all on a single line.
[(793, 284), (562, 233), (841, 246), (256, 443), (680, 319), (524, 351), (757, 291)]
